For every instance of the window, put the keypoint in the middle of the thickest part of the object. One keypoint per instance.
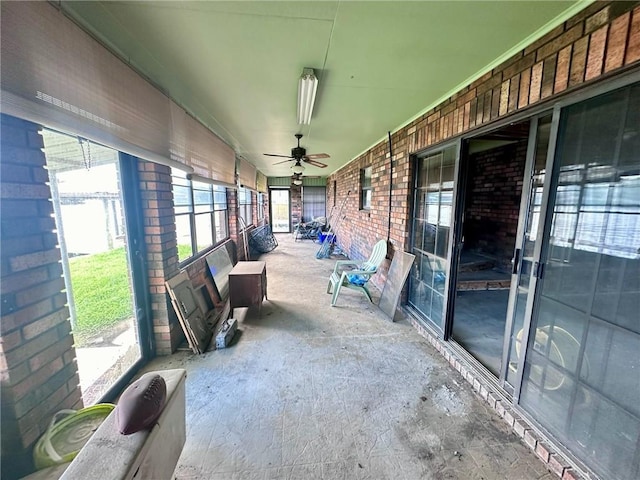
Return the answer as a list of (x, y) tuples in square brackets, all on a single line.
[(220, 217), (313, 202), (245, 207), (201, 214), (260, 206), (365, 188)]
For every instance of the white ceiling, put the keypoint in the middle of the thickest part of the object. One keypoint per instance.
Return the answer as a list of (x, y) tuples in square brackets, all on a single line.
[(235, 65)]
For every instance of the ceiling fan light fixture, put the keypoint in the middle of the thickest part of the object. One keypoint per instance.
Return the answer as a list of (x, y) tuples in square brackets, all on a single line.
[(297, 168), (297, 181), (307, 87)]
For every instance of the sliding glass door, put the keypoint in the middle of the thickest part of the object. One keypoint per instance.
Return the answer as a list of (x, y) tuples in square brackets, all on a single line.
[(581, 376), (432, 220)]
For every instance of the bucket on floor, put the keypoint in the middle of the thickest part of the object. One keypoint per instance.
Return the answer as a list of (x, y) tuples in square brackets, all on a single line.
[(68, 431), (329, 236)]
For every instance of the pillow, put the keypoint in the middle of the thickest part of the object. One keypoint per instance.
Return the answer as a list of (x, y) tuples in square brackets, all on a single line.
[(141, 404), (356, 279), (359, 279)]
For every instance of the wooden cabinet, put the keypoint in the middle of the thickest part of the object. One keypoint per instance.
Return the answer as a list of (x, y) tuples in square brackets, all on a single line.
[(248, 284)]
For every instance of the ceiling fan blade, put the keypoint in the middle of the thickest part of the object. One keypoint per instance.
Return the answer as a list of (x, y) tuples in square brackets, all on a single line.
[(317, 155), (315, 163), (275, 155), (283, 161)]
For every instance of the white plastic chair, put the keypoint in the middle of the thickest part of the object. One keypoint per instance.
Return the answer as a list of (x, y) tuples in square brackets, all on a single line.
[(357, 278)]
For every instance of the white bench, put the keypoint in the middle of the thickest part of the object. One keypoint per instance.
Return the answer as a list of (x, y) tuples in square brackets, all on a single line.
[(148, 454)]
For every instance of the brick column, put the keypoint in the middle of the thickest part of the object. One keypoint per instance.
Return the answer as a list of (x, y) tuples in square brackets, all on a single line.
[(296, 205), (234, 225), (162, 251), (38, 372)]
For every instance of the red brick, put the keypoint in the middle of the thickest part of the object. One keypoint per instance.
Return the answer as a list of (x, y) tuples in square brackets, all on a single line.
[(545, 39), (36, 259), (548, 76), (520, 66), (525, 82), (24, 190), (578, 62), (9, 341), (495, 102), (569, 37), (43, 324), (15, 375), (595, 57), (486, 113), (581, 16), (562, 70), (570, 474), (504, 97), (596, 21), (467, 116), (24, 315), (520, 427), (530, 439), (616, 42), (557, 464), (543, 452), (633, 45), (56, 350), (37, 379), (57, 382), (509, 417), (536, 83), (22, 280), (39, 292)]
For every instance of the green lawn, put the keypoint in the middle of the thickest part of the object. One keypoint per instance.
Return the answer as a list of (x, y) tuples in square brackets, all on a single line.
[(184, 252), (101, 291)]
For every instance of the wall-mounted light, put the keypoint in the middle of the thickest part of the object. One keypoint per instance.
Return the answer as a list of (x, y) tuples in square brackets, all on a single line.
[(307, 87), (297, 168)]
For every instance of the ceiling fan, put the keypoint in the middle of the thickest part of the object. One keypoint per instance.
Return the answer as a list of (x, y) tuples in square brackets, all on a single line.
[(300, 154)]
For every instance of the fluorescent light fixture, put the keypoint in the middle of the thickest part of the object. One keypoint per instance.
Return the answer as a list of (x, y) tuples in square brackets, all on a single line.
[(307, 87), (297, 169)]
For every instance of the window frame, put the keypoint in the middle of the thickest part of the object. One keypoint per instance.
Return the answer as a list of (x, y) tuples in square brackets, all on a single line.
[(366, 190), (245, 205), (195, 209)]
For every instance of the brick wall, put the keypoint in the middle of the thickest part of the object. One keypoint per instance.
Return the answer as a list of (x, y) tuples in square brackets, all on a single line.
[(296, 204), (493, 201), (601, 40), (38, 373), (162, 251)]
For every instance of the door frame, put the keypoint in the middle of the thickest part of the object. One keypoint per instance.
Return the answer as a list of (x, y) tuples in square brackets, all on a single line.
[(556, 106), (137, 259), (271, 216), (536, 271)]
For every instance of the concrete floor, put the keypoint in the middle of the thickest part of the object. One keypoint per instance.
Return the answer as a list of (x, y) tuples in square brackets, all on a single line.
[(479, 321), (308, 391)]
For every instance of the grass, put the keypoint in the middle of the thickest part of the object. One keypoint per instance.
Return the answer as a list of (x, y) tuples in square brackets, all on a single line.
[(101, 290), (184, 252)]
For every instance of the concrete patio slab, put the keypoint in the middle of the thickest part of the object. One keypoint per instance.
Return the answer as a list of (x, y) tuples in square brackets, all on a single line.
[(310, 391)]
